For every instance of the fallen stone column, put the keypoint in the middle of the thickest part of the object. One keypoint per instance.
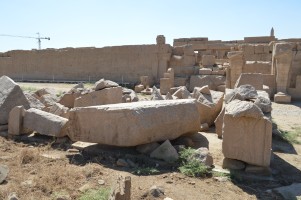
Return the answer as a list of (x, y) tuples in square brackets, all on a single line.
[(44, 123), (135, 123)]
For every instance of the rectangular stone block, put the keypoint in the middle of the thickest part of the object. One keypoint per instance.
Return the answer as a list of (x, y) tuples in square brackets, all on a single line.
[(259, 49), (205, 71), (131, 124), (100, 97), (45, 123), (15, 120), (254, 79), (282, 98), (165, 85), (247, 139), (208, 60)]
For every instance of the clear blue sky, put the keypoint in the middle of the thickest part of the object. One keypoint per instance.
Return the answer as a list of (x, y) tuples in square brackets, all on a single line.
[(83, 23)]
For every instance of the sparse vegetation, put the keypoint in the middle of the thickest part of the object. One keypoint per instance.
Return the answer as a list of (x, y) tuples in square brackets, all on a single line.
[(190, 166), (293, 136), (59, 94), (100, 194), (28, 88), (145, 171)]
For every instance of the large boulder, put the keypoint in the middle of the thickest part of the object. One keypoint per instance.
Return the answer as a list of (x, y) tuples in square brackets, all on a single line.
[(105, 96), (11, 95), (209, 106), (131, 124), (247, 134), (44, 123)]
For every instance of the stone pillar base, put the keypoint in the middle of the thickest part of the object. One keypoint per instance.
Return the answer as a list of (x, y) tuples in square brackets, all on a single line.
[(282, 98)]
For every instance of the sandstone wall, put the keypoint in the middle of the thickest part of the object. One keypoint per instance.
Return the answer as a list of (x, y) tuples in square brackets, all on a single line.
[(116, 63)]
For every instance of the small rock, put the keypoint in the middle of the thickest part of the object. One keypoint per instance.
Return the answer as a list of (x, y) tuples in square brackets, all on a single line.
[(122, 163), (27, 183), (3, 172), (147, 148), (192, 183), (165, 152), (221, 179), (233, 164), (204, 156), (168, 96), (85, 187), (156, 191), (102, 83), (156, 95), (101, 182), (72, 150), (13, 196), (204, 127)]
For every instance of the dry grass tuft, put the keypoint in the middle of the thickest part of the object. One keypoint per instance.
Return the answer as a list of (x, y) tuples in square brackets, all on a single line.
[(29, 156)]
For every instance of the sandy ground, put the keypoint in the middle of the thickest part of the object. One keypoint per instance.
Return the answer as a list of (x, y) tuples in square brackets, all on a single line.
[(42, 168)]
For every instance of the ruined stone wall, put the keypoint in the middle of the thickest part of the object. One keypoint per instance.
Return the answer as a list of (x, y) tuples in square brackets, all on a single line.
[(116, 63)]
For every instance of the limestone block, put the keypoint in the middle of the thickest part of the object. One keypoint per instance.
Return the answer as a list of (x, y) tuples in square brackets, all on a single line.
[(48, 99), (209, 106), (205, 71), (180, 81), (263, 67), (247, 135), (165, 85), (60, 110), (15, 120), (102, 83), (139, 88), (122, 190), (254, 79), (282, 98), (219, 123), (33, 101), (45, 123), (100, 97), (208, 60), (182, 93), (68, 99), (211, 80), (11, 95), (259, 48), (132, 124)]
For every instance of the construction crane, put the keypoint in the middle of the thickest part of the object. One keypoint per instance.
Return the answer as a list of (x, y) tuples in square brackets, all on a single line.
[(39, 38)]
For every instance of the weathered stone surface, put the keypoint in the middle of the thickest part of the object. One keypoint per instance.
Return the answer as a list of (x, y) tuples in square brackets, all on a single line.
[(135, 123), (219, 123), (208, 60), (253, 79), (139, 88), (105, 96), (44, 91), (102, 83), (165, 152), (209, 106), (128, 93), (168, 96), (60, 110), (165, 85), (204, 127), (156, 94), (245, 92), (122, 190), (147, 148), (45, 123), (202, 80), (203, 155), (247, 135), (3, 172), (233, 164), (264, 104), (15, 120), (182, 93), (48, 99), (33, 101), (68, 99), (11, 95), (282, 98)]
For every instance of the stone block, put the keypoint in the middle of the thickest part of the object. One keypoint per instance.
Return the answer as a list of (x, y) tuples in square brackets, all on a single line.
[(208, 60), (68, 99), (247, 134), (139, 88), (254, 79), (282, 98), (132, 124), (219, 123), (258, 49), (211, 80), (102, 83), (165, 152), (180, 81), (165, 85), (205, 71), (45, 123), (100, 97), (15, 120), (11, 95)]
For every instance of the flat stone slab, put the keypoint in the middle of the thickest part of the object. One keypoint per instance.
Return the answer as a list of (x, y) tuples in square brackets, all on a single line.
[(132, 124)]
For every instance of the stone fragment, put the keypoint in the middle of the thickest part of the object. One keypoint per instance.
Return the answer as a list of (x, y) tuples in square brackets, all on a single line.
[(139, 88), (128, 93), (156, 191), (282, 98), (209, 106), (60, 110), (34, 102), (219, 123), (147, 148), (122, 190), (11, 95), (101, 97), (3, 173), (247, 134), (202, 80), (132, 124), (49, 99), (15, 120), (165, 85), (13, 196), (165, 152), (264, 104), (182, 93), (44, 91), (168, 96), (202, 155), (45, 123), (156, 94), (253, 79), (102, 83), (233, 164), (68, 99)]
